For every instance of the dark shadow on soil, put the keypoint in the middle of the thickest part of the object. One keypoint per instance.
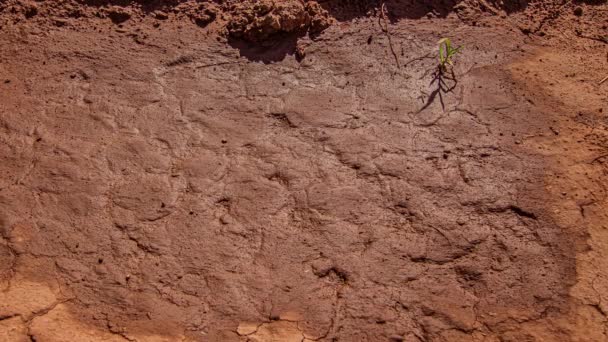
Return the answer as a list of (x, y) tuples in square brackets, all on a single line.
[(278, 47), (345, 10), (440, 76), (273, 50)]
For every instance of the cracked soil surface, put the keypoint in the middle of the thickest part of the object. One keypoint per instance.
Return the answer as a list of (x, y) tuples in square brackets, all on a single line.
[(299, 171)]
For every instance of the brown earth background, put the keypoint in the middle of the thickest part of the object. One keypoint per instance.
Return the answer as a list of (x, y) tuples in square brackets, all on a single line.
[(301, 171)]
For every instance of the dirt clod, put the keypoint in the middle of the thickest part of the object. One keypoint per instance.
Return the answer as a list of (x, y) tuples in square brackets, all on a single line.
[(31, 10), (267, 18), (203, 14), (118, 14), (161, 15)]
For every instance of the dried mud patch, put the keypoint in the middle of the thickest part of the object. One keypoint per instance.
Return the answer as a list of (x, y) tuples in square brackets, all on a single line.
[(165, 189)]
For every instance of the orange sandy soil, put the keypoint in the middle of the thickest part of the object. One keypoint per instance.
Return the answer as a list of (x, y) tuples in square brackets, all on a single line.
[(301, 171)]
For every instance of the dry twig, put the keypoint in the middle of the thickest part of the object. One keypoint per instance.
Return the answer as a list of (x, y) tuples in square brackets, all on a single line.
[(600, 39), (388, 34)]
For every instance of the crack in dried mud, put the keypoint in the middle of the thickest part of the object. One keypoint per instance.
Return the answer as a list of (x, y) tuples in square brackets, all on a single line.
[(179, 192)]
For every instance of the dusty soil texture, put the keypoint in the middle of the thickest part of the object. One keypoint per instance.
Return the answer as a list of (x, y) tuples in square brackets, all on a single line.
[(300, 171)]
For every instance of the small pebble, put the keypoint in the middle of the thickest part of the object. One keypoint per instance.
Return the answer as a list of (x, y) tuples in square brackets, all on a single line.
[(226, 219)]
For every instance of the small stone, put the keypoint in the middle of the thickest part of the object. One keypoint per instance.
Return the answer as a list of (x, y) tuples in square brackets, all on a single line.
[(161, 15), (578, 11), (226, 219), (395, 338), (246, 328), (300, 53), (118, 14), (60, 22)]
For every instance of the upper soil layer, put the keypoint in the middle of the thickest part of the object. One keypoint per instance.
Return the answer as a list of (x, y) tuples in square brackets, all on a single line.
[(303, 171)]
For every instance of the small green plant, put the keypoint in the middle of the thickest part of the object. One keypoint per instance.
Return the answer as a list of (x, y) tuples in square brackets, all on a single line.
[(446, 53)]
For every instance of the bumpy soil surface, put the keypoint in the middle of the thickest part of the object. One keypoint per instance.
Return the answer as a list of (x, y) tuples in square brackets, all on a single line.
[(301, 171)]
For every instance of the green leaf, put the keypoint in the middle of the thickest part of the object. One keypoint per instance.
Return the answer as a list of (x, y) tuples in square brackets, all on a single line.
[(446, 51)]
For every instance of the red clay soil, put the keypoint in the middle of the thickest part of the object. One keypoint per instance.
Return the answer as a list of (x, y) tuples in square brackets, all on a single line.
[(303, 171)]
